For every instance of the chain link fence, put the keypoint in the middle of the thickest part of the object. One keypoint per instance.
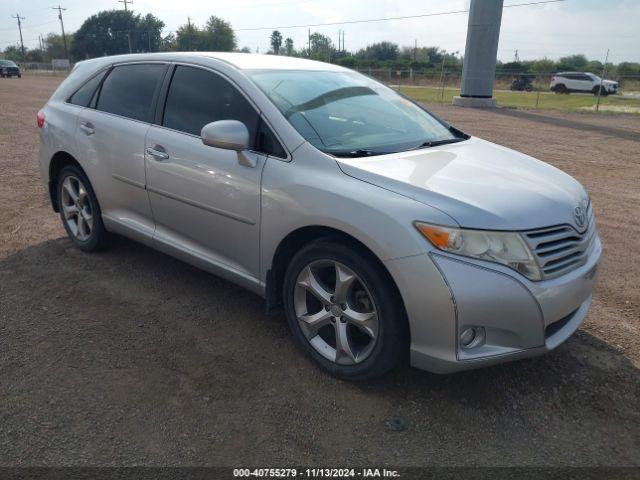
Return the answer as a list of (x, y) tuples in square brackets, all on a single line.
[(44, 68), (520, 90)]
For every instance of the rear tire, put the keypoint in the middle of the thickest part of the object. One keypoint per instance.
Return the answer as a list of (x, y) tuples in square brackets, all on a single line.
[(80, 211), (561, 88), (344, 311)]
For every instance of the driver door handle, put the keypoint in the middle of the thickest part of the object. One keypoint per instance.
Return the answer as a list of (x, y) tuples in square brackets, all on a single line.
[(87, 128), (157, 152)]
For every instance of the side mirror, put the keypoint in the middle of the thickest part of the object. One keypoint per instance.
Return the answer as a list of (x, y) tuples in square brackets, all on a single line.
[(227, 134)]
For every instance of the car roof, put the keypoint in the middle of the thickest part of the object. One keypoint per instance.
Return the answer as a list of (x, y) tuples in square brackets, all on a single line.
[(253, 61), (241, 61), (575, 73)]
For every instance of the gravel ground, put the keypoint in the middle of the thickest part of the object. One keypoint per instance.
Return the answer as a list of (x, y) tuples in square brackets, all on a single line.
[(131, 357)]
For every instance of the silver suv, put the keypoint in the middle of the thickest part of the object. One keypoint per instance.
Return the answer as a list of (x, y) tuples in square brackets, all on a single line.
[(384, 233)]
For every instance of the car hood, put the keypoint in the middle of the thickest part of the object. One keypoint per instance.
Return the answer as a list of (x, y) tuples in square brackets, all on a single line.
[(477, 183), (609, 82)]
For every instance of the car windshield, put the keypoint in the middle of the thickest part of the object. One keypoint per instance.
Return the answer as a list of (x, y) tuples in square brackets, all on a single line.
[(348, 114), (7, 63)]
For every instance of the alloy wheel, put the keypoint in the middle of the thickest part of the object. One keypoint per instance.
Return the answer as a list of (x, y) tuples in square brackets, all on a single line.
[(336, 312), (76, 208)]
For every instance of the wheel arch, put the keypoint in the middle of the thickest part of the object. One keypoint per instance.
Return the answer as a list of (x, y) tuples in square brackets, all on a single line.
[(296, 240), (59, 160)]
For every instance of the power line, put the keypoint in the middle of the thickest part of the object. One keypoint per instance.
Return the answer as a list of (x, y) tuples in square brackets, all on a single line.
[(370, 20), (30, 26)]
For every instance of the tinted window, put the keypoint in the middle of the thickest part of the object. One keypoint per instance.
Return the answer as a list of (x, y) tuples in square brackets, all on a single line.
[(84, 94), (266, 142), (128, 91), (197, 97)]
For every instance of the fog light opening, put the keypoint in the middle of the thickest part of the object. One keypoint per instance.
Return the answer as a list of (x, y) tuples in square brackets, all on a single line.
[(471, 337), (467, 336)]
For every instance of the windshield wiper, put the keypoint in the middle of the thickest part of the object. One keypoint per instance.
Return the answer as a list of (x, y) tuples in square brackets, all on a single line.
[(355, 153), (436, 143)]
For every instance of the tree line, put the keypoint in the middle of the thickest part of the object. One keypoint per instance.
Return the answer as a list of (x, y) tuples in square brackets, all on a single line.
[(114, 32)]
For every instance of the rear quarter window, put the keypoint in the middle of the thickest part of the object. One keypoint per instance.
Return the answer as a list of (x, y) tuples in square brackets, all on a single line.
[(82, 97)]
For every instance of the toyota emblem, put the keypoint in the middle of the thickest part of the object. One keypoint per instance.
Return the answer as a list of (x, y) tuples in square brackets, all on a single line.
[(580, 215)]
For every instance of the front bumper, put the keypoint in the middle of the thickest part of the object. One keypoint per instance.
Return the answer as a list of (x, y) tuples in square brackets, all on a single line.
[(518, 318), (11, 72)]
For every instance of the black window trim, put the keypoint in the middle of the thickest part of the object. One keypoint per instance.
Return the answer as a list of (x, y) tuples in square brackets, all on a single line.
[(164, 92), (154, 101), (104, 72)]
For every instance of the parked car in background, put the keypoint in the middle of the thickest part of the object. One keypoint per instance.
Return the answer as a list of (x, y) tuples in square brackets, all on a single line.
[(9, 69), (383, 232), (567, 82)]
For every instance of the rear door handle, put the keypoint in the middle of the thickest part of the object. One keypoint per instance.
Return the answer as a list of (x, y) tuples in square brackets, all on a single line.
[(157, 152), (87, 128)]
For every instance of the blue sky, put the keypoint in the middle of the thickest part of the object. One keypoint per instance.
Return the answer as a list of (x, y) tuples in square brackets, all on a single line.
[(552, 30)]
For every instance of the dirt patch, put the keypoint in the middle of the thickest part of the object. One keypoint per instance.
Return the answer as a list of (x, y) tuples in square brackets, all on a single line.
[(131, 357)]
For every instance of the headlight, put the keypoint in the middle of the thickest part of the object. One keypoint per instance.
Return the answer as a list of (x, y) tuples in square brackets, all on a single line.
[(507, 248)]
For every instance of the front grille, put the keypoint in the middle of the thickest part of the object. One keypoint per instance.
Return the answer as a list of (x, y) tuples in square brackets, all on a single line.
[(560, 249)]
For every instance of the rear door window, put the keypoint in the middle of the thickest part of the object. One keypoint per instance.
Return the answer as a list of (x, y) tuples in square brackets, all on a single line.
[(197, 97), (129, 90)]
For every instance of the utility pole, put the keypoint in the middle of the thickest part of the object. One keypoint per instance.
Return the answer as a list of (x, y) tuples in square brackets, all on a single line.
[(604, 72), (125, 4), (516, 58), (19, 18), (126, 10), (343, 49), (309, 42), (64, 37), (415, 51), (189, 35)]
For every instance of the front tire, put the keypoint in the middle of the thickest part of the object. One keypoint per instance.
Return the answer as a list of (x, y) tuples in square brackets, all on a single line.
[(80, 211), (603, 91), (344, 311), (561, 88)]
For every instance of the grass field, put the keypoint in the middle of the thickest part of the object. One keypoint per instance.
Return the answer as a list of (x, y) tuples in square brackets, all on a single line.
[(545, 100)]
